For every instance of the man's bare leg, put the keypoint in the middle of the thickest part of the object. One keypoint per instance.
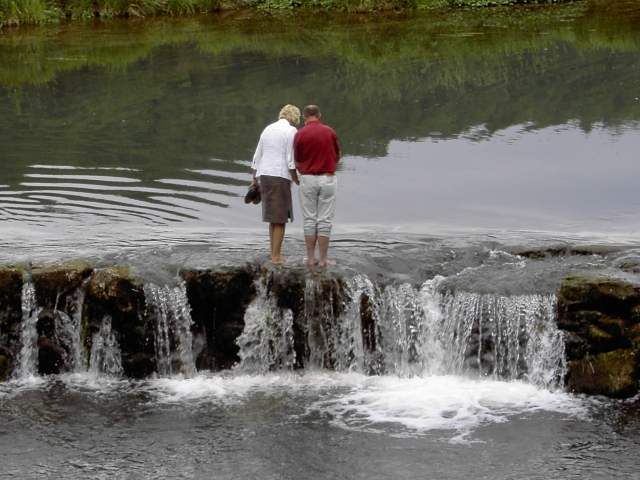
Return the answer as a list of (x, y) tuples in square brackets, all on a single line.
[(323, 246), (276, 236), (310, 241)]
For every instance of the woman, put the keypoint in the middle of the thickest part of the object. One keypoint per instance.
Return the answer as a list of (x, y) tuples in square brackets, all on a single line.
[(273, 168)]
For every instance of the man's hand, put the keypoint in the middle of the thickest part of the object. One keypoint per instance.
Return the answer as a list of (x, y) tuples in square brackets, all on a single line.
[(294, 176)]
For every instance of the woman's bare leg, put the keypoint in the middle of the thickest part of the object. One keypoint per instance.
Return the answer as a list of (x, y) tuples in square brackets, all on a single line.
[(276, 236)]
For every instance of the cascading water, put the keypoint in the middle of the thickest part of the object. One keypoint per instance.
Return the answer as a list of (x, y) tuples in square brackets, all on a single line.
[(428, 331), (170, 308), (267, 339), (27, 364), (105, 351), (68, 331), (410, 332)]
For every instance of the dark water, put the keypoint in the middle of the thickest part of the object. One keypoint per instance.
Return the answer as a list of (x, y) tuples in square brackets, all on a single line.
[(275, 428), (471, 121)]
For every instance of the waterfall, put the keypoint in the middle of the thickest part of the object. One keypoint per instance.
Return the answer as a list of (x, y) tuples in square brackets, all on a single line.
[(406, 331), (105, 351), (428, 331), (267, 339), (27, 361), (170, 308), (68, 331)]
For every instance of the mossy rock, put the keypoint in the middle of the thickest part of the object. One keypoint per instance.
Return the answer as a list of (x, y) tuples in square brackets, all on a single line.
[(218, 302), (54, 282), (113, 292), (609, 296), (613, 374)]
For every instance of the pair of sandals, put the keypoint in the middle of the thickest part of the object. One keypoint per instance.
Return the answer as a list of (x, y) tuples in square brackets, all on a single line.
[(253, 194)]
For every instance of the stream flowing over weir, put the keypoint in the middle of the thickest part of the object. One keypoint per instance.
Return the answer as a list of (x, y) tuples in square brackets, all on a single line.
[(257, 322), (253, 358)]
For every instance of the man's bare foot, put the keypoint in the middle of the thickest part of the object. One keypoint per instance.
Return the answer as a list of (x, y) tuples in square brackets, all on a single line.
[(326, 263), (279, 260), (311, 262)]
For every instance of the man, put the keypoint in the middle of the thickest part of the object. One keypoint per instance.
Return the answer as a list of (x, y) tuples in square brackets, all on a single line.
[(316, 152)]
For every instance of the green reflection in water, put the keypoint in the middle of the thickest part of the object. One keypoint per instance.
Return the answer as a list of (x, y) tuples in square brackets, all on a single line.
[(161, 93)]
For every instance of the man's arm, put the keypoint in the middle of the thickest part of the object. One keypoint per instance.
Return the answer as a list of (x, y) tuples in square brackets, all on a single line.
[(336, 146)]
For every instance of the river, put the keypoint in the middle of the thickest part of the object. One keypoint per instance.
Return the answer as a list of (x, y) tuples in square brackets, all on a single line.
[(491, 152)]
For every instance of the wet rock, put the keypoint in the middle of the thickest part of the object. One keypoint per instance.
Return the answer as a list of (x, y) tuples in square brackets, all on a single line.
[(218, 302), (614, 297), (562, 251), (114, 292), (10, 316), (613, 374), (5, 368), (600, 316), (628, 263), (51, 357), (288, 286), (55, 283)]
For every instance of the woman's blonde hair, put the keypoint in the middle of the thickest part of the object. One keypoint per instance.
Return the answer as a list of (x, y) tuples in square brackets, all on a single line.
[(291, 113)]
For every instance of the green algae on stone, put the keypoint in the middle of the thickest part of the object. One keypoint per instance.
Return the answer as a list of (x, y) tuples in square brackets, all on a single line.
[(54, 282), (613, 374)]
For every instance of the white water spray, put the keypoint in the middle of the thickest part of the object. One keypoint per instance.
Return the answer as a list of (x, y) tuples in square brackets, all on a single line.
[(27, 362), (105, 351), (172, 313), (267, 340)]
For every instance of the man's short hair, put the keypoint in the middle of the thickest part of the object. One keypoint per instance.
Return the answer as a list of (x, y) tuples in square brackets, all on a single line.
[(311, 111), (291, 113)]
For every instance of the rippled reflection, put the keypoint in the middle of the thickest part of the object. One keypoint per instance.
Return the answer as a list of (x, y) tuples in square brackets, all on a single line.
[(472, 121)]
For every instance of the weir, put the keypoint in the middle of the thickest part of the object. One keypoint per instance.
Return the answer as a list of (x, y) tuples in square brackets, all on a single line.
[(255, 320)]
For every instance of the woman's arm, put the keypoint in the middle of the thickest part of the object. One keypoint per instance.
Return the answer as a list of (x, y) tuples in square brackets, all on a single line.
[(255, 164)]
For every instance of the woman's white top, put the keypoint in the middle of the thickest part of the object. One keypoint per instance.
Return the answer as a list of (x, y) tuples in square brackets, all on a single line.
[(274, 153)]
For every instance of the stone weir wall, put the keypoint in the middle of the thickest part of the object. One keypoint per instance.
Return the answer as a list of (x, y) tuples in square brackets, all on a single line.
[(218, 301), (600, 318)]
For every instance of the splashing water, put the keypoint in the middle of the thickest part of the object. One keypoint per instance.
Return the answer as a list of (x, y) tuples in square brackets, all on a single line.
[(428, 332), (28, 354), (172, 313), (267, 339), (68, 331), (105, 351)]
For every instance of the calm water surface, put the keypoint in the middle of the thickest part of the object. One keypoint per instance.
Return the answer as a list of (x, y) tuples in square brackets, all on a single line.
[(468, 121)]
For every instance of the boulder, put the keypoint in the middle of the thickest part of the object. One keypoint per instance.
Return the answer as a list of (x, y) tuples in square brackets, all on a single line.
[(614, 374), (218, 302), (55, 283), (600, 318), (10, 317), (113, 292), (51, 357)]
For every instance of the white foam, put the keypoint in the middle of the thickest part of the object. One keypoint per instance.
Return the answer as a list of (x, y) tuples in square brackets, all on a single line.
[(423, 404), (404, 406), (231, 387)]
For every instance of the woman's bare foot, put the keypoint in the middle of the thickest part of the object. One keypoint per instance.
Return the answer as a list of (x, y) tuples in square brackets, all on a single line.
[(279, 260)]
